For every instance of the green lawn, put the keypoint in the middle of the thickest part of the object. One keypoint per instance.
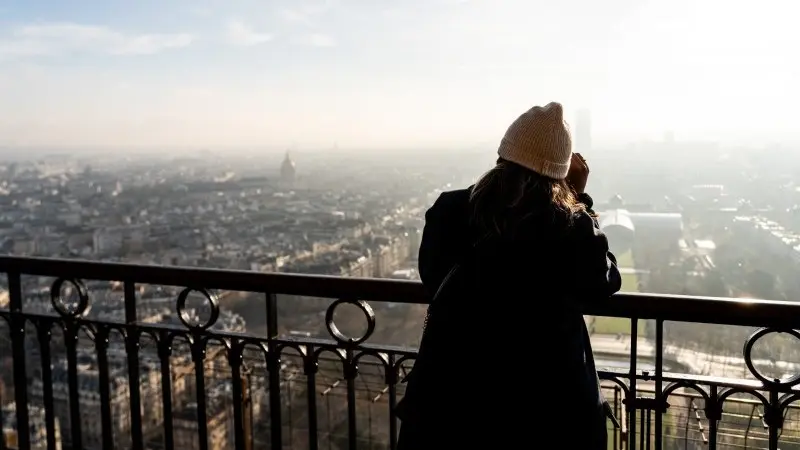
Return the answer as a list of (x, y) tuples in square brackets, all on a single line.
[(615, 325), (625, 260), (630, 283)]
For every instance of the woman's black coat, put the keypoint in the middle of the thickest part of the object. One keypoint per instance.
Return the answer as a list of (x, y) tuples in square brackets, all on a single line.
[(503, 361)]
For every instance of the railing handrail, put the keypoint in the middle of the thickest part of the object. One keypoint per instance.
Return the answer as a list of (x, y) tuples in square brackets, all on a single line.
[(729, 311), (399, 291)]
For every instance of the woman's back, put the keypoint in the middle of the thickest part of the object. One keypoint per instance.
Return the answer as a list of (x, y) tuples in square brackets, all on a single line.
[(512, 301)]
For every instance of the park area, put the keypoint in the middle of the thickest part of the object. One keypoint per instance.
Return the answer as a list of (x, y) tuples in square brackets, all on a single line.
[(630, 283)]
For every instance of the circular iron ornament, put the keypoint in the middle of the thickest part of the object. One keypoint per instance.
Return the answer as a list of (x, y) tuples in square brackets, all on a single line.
[(748, 358), (337, 334), (80, 309), (184, 316)]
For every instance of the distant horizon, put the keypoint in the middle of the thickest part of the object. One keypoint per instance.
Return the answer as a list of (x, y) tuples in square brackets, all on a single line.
[(275, 150)]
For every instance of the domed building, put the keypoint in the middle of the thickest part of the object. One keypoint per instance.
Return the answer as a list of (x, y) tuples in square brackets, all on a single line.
[(626, 229), (618, 228), (288, 170)]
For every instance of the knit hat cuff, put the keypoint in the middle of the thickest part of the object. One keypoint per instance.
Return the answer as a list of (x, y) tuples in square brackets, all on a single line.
[(509, 152)]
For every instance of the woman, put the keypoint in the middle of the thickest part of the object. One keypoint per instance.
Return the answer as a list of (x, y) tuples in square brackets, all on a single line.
[(505, 360)]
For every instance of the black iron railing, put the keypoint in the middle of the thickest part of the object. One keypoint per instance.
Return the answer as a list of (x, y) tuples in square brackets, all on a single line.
[(663, 407)]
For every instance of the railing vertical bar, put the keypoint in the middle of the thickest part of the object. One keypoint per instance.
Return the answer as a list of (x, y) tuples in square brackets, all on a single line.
[(311, 392), (17, 325), (660, 401), (2, 426), (198, 355), (235, 362), (688, 418), (350, 375), (164, 354), (44, 333), (289, 400), (132, 348), (249, 419), (712, 421), (391, 380), (2, 423), (274, 369), (616, 436), (774, 420), (101, 346), (71, 342), (631, 400), (647, 431)]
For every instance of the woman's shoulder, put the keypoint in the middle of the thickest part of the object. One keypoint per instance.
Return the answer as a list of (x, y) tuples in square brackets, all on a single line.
[(455, 196), (449, 201)]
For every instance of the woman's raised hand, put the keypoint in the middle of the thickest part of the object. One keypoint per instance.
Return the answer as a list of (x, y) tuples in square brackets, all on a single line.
[(578, 173)]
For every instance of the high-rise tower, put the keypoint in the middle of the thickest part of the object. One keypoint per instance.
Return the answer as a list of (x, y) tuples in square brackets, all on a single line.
[(583, 132)]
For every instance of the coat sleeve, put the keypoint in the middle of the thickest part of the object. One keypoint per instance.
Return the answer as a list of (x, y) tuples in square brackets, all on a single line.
[(594, 266), (442, 240)]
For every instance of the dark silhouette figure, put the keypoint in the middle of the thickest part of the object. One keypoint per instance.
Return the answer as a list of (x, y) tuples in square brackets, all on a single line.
[(505, 360)]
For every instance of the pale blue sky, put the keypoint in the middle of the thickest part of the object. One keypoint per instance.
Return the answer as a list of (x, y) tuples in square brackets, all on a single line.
[(372, 73)]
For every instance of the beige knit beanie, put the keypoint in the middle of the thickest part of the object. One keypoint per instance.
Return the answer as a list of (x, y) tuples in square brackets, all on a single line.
[(539, 140)]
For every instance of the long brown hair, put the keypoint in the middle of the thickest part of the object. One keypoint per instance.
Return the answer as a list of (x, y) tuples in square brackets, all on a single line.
[(508, 194)]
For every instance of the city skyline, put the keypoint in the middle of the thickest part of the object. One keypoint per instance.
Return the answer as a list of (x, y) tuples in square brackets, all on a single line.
[(443, 73)]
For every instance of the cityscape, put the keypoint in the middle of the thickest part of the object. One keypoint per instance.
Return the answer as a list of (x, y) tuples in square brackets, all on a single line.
[(211, 215)]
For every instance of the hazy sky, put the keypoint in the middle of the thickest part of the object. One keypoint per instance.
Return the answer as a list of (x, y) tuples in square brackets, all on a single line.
[(393, 73)]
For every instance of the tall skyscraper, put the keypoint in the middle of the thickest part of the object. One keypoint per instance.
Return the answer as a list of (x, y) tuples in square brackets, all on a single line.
[(583, 132)]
